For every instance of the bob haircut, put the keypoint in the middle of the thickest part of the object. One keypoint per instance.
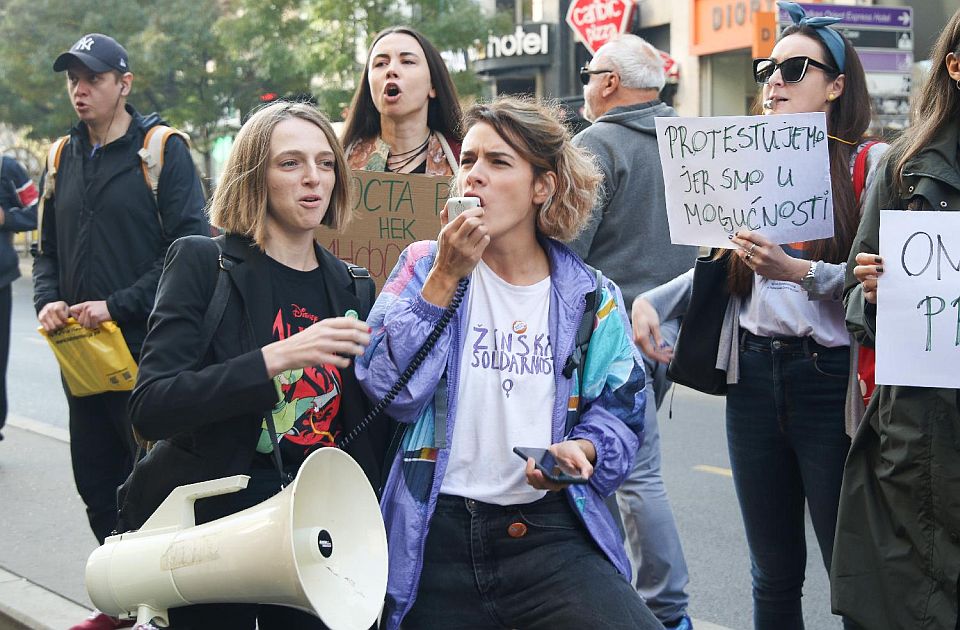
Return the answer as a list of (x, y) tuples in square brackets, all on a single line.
[(239, 204), (443, 112), (536, 132)]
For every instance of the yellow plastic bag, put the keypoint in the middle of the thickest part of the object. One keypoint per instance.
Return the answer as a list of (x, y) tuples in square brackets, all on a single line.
[(93, 361)]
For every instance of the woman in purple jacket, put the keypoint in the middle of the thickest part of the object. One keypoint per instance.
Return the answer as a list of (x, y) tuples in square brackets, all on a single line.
[(477, 540)]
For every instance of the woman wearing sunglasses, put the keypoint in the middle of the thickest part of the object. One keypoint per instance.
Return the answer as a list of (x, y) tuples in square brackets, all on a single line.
[(897, 555), (785, 346)]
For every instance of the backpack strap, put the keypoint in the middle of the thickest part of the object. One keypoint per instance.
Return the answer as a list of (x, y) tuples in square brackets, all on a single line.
[(577, 358), (218, 303), (151, 154), (361, 277), (860, 169), (49, 182)]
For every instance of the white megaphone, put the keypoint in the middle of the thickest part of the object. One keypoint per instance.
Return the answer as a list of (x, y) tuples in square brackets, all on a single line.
[(319, 545)]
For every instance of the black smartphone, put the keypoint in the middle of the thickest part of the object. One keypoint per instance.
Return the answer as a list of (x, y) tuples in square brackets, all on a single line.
[(547, 464)]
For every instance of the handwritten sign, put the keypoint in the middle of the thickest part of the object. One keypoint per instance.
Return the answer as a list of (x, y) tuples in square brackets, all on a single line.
[(770, 174), (918, 299), (390, 212)]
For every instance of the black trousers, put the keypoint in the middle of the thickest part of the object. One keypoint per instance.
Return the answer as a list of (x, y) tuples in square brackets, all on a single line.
[(102, 450), (6, 306)]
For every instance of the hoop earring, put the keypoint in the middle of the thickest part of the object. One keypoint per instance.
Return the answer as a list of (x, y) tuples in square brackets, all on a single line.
[(958, 84)]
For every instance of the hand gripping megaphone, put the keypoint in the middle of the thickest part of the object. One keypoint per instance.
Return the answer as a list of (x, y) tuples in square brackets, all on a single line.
[(319, 545)]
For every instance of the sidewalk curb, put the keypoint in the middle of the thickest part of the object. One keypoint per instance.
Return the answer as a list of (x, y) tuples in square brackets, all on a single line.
[(41, 428), (24, 604)]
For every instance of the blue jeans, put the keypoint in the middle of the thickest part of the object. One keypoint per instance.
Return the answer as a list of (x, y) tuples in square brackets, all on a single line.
[(785, 433), (652, 538), (477, 575)]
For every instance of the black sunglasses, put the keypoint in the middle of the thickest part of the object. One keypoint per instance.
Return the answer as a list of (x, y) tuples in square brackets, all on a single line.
[(585, 73), (792, 70)]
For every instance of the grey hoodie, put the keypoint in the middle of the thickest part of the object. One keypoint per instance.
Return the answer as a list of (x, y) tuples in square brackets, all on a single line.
[(628, 238)]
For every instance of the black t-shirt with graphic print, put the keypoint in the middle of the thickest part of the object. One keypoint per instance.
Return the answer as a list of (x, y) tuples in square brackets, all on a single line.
[(307, 414)]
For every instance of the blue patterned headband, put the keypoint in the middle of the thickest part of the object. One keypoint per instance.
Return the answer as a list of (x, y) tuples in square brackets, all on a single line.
[(832, 39)]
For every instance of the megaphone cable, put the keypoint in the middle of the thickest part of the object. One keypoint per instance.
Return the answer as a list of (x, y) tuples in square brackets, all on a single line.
[(411, 369)]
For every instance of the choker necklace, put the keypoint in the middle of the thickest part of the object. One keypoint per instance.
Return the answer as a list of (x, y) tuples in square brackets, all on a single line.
[(402, 160)]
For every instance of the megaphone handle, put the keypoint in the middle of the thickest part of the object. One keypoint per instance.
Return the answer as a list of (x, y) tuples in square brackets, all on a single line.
[(177, 509), (147, 614)]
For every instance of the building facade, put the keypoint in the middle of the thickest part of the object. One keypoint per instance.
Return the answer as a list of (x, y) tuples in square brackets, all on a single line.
[(713, 43)]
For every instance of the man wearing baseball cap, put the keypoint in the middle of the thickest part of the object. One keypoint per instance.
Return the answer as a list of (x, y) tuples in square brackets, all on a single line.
[(104, 233)]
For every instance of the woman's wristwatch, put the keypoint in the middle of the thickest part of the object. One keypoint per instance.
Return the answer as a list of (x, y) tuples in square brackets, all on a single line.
[(807, 281)]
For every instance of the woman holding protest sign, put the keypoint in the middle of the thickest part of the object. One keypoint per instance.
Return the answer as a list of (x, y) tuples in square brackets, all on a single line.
[(405, 116), (783, 341), (897, 556), (475, 538)]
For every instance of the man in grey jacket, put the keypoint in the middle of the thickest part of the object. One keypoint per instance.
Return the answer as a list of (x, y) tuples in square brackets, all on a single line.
[(629, 240)]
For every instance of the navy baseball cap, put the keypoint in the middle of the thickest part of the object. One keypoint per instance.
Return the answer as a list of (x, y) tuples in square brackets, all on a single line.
[(97, 52)]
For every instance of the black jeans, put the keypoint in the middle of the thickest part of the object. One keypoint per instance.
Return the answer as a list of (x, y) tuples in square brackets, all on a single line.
[(787, 443), (552, 575), (102, 451)]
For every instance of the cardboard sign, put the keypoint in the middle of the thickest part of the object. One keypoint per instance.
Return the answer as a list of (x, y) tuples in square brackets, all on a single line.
[(770, 174), (918, 299), (390, 212)]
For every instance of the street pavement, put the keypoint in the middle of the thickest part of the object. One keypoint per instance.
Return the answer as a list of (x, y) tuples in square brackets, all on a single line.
[(47, 541)]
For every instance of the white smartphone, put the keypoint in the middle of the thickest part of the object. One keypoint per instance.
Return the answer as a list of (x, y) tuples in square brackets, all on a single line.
[(456, 205)]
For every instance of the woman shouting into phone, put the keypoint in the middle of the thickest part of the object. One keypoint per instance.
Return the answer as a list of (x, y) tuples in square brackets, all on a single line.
[(475, 538)]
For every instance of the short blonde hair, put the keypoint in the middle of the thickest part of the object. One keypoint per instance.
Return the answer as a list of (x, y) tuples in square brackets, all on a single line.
[(239, 204), (534, 130)]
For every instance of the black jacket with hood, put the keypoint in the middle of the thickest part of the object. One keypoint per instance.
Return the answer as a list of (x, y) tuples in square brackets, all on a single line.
[(104, 235)]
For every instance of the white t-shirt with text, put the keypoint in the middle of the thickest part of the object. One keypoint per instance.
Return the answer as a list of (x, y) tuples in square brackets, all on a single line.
[(506, 390)]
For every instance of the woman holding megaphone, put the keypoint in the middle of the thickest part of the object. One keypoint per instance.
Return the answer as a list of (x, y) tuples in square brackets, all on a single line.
[(272, 381), (479, 538)]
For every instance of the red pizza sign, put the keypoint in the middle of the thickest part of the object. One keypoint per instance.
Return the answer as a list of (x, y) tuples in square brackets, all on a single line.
[(595, 22)]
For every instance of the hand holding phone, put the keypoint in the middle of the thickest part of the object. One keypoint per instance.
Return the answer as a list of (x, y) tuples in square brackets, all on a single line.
[(456, 205), (546, 463)]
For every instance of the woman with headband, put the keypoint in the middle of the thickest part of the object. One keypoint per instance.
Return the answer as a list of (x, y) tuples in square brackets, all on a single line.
[(897, 554), (784, 345)]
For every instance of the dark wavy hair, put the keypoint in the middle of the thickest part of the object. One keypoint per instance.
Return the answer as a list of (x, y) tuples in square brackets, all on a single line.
[(443, 113), (848, 120)]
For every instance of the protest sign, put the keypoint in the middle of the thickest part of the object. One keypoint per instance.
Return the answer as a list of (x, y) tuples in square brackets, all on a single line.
[(770, 174), (918, 299), (390, 212)]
